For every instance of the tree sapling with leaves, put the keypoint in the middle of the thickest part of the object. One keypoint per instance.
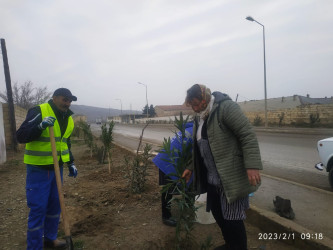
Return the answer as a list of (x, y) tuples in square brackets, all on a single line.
[(107, 139), (177, 155)]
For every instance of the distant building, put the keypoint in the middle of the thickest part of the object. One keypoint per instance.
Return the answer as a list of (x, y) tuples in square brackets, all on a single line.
[(287, 102), (124, 118), (79, 117), (115, 119), (308, 100), (172, 110)]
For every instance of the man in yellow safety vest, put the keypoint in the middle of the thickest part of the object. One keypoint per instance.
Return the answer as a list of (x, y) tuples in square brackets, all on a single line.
[(41, 187)]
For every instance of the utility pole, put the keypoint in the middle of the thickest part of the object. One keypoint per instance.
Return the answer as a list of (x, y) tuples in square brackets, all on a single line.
[(265, 88), (9, 94), (133, 114), (146, 97)]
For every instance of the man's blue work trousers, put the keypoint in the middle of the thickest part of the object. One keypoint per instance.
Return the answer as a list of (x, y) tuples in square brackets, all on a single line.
[(43, 201)]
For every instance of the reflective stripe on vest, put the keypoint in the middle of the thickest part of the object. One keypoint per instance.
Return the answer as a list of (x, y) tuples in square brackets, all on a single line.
[(39, 152)]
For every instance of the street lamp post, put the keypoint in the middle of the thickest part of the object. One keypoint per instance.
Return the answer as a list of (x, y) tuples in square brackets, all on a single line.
[(121, 106), (146, 96), (263, 29)]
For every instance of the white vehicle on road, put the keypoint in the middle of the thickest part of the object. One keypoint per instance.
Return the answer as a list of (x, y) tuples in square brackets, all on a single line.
[(325, 150)]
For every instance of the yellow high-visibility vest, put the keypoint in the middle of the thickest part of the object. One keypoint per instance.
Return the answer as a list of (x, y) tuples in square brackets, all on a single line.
[(39, 151)]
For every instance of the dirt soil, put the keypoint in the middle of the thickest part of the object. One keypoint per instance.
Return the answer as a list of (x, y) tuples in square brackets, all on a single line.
[(103, 213)]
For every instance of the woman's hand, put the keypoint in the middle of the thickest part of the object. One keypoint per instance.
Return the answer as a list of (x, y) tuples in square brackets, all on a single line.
[(254, 176), (187, 175)]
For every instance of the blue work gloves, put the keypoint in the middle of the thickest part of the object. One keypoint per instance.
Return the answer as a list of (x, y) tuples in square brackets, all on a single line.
[(72, 171), (47, 122)]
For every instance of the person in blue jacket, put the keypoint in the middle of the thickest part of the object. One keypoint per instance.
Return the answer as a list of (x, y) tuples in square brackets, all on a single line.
[(41, 187), (166, 169)]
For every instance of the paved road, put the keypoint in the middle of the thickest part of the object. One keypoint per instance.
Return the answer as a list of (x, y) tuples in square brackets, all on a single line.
[(291, 156)]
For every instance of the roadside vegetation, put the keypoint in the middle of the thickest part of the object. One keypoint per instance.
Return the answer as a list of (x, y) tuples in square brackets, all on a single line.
[(183, 197), (100, 148), (26, 95)]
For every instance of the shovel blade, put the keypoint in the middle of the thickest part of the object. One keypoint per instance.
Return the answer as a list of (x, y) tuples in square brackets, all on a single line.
[(69, 243)]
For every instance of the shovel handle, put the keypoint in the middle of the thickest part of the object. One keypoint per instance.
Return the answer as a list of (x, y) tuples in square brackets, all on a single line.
[(59, 184)]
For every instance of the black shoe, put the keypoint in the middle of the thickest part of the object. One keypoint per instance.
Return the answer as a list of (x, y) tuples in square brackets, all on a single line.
[(55, 244), (169, 222)]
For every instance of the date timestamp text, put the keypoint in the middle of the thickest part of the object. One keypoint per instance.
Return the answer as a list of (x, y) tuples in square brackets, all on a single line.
[(290, 236), (276, 236)]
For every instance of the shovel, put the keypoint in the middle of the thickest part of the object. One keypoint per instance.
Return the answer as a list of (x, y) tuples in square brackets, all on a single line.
[(68, 236)]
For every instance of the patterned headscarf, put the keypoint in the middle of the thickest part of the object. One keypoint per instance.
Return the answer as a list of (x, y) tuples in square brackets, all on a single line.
[(204, 91), (205, 113)]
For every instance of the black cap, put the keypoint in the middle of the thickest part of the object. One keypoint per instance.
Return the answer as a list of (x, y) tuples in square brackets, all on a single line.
[(66, 93)]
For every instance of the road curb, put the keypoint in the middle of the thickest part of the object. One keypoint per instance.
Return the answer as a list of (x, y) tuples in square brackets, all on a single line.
[(272, 225), (323, 191), (303, 131)]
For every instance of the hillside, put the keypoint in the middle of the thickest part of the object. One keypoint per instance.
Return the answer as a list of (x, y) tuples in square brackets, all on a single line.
[(93, 113)]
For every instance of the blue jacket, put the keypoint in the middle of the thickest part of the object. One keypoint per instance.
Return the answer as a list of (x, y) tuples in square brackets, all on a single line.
[(161, 159), (29, 130)]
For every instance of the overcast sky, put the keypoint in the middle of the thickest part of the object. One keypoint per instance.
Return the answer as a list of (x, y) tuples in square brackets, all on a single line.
[(101, 49)]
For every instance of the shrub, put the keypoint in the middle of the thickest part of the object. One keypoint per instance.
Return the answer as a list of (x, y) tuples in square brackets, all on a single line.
[(180, 158), (136, 170), (281, 117), (257, 121), (98, 153), (87, 135), (107, 139), (314, 118)]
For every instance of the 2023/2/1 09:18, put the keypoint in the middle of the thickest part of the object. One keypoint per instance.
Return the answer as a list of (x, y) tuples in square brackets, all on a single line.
[(290, 236)]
